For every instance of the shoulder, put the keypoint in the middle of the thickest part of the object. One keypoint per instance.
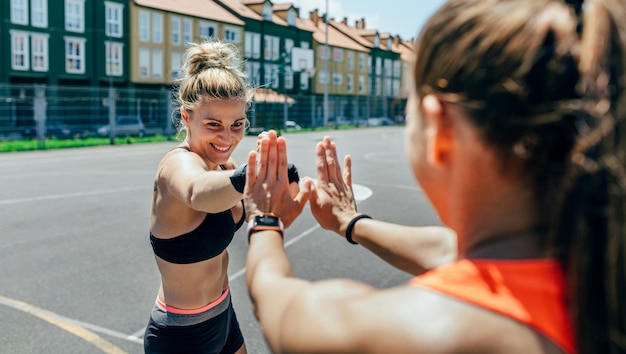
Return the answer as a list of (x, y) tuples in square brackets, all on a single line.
[(410, 319)]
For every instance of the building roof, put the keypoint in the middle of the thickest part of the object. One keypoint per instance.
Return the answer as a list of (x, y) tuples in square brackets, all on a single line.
[(201, 9), (351, 32), (335, 38), (241, 9), (282, 7)]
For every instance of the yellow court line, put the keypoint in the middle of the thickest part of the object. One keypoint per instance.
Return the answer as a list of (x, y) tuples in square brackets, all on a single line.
[(76, 330)]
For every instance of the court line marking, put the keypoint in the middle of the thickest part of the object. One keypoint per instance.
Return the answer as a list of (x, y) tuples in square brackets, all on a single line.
[(69, 195), (74, 327)]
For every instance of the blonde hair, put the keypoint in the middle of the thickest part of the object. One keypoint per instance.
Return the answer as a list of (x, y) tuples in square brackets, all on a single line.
[(212, 71)]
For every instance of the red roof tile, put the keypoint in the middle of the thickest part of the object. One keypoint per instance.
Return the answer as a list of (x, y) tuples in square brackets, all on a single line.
[(202, 9)]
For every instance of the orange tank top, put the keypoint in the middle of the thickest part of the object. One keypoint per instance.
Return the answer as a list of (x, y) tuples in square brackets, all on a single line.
[(532, 292)]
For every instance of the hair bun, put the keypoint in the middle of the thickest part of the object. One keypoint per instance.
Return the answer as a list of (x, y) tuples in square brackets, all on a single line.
[(211, 55)]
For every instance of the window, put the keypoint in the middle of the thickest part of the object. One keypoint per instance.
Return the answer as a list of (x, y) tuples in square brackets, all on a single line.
[(187, 30), (397, 68), (350, 59), (267, 11), (114, 58), (144, 62), (271, 75), (337, 55), (75, 55), (175, 30), (377, 87), (157, 63), (361, 84), (113, 15), (321, 51), (305, 45), (39, 45), (208, 30), (379, 65), (19, 50), (232, 34), (157, 27), (304, 80), (75, 15), (349, 82), (176, 63), (288, 77), (252, 69), (321, 77), (337, 79), (271, 48), (361, 61), (292, 17), (388, 68), (376, 41), (288, 48), (39, 13), (252, 45), (144, 25), (19, 12)]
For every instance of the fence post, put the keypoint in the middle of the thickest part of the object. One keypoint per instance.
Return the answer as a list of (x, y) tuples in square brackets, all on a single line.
[(112, 115), (39, 114), (169, 123)]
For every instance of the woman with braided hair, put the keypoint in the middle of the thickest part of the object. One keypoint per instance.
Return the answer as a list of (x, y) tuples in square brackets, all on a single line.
[(197, 207), (516, 133)]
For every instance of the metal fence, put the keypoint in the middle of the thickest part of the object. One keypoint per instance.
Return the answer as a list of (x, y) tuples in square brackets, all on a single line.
[(40, 111)]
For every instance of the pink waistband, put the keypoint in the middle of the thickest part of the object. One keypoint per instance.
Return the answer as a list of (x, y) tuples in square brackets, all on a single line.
[(165, 307)]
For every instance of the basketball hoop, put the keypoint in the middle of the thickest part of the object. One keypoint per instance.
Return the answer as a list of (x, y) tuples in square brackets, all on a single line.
[(310, 71)]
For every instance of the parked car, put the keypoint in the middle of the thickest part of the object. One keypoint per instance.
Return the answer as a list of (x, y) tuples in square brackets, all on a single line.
[(58, 129), (124, 126), (291, 125)]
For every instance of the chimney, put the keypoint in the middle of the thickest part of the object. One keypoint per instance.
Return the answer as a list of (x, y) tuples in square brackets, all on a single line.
[(345, 21), (396, 40), (362, 22), (357, 23), (313, 15)]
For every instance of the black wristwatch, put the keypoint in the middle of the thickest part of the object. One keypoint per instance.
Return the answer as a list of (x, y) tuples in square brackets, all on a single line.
[(265, 222)]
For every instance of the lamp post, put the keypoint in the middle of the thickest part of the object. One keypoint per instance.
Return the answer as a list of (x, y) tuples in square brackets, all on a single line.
[(326, 69)]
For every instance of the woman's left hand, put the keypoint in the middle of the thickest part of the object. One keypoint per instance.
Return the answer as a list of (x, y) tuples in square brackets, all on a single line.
[(267, 189)]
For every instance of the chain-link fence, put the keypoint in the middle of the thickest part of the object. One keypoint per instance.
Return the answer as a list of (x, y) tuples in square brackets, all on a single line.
[(40, 111)]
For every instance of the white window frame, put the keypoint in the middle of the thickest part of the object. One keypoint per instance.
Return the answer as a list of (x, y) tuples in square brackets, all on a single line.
[(361, 61), (337, 55), (40, 49), (157, 63), (350, 60), (321, 77), (288, 78), (113, 19), (39, 13), (206, 26), (114, 58), (145, 57), (321, 52), (361, 84), (75, 16), (176, 62), (337, 78), (19, 50), (292, 17), (144, 25), (267, 11), (19, 12), (252, 45), (272, 48), (187, 31), (232, 34), (79, 57), (349, 83), (175, 30), (157, 27)]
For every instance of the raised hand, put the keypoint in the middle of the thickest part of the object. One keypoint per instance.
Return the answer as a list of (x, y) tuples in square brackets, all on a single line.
[(332, 200), (267, 188)]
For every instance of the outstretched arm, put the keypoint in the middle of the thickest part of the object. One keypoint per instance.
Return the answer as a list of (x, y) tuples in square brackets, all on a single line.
[(411, 249)]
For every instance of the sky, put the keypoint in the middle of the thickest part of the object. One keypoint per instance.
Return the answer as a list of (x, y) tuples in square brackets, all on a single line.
[(403, 17)]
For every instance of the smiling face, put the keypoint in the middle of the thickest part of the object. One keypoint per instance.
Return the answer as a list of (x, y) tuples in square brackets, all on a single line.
[(215, 128)]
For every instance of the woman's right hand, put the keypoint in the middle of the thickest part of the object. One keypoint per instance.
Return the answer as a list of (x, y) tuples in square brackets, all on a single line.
[(332, 200)]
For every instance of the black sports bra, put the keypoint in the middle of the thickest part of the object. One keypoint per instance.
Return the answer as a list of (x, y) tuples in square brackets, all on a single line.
[(206, 241)]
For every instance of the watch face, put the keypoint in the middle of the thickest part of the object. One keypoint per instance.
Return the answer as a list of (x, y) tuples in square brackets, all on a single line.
[(268, 220)]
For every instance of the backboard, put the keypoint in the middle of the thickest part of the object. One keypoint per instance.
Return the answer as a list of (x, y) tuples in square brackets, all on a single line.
[(301, 59)]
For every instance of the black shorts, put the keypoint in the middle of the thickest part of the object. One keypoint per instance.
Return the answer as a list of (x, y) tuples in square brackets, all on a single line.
[(175, 333)]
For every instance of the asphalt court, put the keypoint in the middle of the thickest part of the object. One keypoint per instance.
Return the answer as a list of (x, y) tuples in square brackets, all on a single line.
[(78, 271)]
